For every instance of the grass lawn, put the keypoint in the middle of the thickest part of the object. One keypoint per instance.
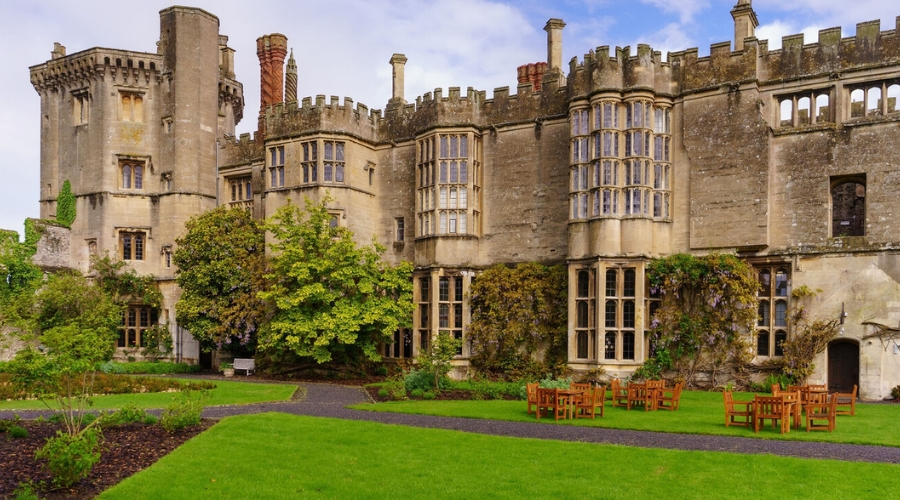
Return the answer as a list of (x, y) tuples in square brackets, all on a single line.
[(225, 393), (700, 412), (276, 455)]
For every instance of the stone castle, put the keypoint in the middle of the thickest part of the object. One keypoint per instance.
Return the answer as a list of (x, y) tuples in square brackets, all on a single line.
[(785, 157)]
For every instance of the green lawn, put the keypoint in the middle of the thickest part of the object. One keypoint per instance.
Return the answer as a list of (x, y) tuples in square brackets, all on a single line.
[(225, 393), (327, 458), (700, 413)]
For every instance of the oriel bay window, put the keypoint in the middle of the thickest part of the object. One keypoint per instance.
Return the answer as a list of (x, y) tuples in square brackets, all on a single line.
[(450, 307), (772, 321), (448, 184), (276, 166)]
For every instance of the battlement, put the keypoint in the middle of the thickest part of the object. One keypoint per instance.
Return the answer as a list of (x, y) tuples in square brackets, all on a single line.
[(598, 71), (72, 70), (831, 55), (286, 119), (240, 151)]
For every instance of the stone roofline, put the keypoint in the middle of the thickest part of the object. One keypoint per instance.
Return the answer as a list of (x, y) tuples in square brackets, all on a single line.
[(89, 62)]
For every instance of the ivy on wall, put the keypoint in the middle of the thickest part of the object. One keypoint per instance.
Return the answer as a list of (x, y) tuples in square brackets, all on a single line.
[(65, 205)]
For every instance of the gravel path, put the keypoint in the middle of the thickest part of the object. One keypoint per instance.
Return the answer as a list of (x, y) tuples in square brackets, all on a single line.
[(328, 400)]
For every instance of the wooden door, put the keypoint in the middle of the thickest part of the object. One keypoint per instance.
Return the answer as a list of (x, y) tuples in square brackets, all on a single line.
[(843, 366)]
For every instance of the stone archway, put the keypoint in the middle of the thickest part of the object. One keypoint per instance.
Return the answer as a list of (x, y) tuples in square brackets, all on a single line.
[(843, 365)]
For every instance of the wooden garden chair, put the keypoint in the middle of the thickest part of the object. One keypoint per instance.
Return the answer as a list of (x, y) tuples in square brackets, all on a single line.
[(588, 404), (619, 393), (820, 415), (585, 388), (639, 394), (737, 409), (794, 402), (668, 399), (551, 401), (531, 393), (771, 408), (846, 402)]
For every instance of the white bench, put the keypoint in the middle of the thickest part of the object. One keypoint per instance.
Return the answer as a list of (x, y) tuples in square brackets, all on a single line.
[(246, 364)]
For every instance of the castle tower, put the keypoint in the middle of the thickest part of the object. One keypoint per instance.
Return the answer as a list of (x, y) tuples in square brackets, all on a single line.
[(745, 23), (290, 80), (271, 50)]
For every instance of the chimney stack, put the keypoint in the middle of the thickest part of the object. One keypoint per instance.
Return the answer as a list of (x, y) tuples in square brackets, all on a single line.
[(398, 64), (271, 50), (554, 29), (290, 80), (745, 23)]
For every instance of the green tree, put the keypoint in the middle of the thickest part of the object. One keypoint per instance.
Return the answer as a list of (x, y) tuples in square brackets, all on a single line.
[(437, 361), (221, 263), (21, 276), (708, 305), (331, 299), (514, 311)]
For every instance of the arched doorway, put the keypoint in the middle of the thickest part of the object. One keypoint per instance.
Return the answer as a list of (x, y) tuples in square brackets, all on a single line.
[(843, 365)]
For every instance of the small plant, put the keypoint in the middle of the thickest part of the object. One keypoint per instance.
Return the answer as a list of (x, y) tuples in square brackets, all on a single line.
[(428, 395), (381, 370), (18, 432), (416, 393), (224, 365), (70, 458), (895, 393), (25, 491), (6, 425), (128, 414), (150, 419), (728, 387), (184, 411), (383, 393)]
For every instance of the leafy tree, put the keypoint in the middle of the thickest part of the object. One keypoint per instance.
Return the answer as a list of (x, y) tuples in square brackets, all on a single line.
[(330, 297), (65, 205), (21, 276), (708, 305), (72, 325), (437, 360), (221, 262), (514, 311)]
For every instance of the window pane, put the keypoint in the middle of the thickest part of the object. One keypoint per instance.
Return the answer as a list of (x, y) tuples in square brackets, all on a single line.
[(609, 346), (610, 319), (611, 276), (762, 344), (628, 289), (584, 279), (628, 314), (627, 345)]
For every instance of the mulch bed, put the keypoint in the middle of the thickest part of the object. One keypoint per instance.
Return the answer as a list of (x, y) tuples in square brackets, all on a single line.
[(126, 450)]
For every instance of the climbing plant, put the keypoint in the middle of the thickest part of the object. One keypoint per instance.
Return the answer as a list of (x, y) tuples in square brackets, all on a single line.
[(516, 310), (65, 205), (809, 337), (708, 304)]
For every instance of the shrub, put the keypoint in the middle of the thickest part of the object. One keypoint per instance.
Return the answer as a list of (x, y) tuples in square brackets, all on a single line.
[(383, 393), (558, 383), (25, 491), (423, 380), (6, 425), (70, 458), (147, 367), (128, 414), (184, 411), (416, 393), (150, 419), (428, 395), (17, 432), (380, 370), (895, 393)]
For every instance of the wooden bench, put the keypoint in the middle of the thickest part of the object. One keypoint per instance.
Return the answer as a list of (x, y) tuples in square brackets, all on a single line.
[(246, 364)]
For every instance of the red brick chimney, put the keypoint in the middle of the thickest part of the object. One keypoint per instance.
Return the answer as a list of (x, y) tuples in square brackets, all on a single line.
[(534, 73), (271, 50)]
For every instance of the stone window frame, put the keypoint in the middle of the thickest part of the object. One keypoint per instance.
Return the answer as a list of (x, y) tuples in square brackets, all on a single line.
[(240, 190), (309, 166), (133, 172), (620, 312), (276, 166), (789, 113), (81, 106), (136, 319), (131, 105), (448, 183), (585, 294), (882, 108), (773, 325), (133, 243), (399, 229), (579, 162), (840, 180), (333, 161)]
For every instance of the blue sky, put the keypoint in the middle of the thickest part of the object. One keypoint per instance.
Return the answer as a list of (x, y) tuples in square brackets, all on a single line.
[(342, 47)]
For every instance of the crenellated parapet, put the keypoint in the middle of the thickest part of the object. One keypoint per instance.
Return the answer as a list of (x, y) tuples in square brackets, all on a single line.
[(286, 120), (242, 151), (78, 70), (831, 56), (599, 72)]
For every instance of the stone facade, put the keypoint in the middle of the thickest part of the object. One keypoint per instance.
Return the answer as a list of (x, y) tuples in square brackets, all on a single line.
[(784, 156)]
